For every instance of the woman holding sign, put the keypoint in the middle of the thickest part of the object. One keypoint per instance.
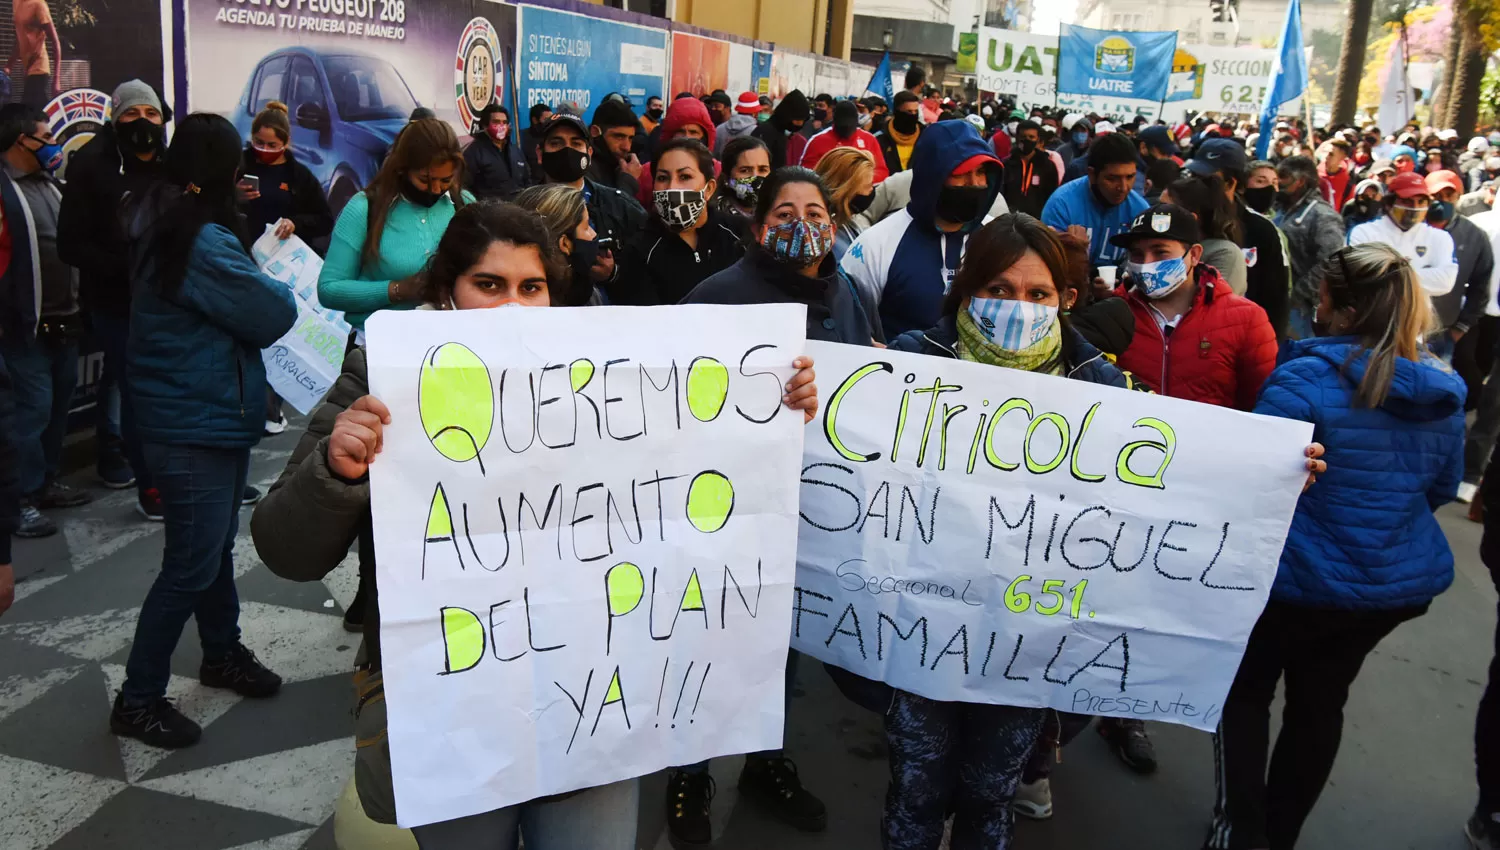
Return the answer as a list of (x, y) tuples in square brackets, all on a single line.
[(492, 255), (1365, 552)]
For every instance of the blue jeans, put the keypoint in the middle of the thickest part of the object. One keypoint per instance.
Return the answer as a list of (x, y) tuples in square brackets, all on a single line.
[(791, 676), (113, 332), (44, 373), (200, 493), (602, 818)]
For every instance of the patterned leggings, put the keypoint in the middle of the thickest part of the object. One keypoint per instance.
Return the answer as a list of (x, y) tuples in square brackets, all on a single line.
[(957, 757)]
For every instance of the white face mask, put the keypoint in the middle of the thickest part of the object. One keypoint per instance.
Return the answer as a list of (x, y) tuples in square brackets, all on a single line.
[(986, 112), (1012, 325), (1011, 128), (1159, 279)]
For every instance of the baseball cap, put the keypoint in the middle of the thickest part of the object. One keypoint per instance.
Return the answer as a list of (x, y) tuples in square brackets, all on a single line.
[(1160, 138), (1103, 127), (1216, 155), (748, 104), (562, 118), (976, 121), (1161, 221), (719, 98), (1407, 185), (1070, 119), (1443, 180)]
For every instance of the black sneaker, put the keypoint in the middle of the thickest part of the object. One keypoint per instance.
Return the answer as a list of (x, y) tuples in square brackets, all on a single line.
[(1129, 741), (240, 671), (774, 784), (33, 522), (157, 723), (250, 496), (114, 472), (148, 504), (59, 495), (690, 798)]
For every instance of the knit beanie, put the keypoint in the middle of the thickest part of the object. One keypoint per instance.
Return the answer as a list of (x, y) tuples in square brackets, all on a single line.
[(133, 93)]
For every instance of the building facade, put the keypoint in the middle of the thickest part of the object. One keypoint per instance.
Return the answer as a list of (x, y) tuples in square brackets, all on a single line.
[(1258, 23)]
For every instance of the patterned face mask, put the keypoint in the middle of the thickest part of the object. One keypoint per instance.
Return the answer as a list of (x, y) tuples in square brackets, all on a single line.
[(1159, 279), (679, 208), (798, 243), (1012, 325), (746, 189)]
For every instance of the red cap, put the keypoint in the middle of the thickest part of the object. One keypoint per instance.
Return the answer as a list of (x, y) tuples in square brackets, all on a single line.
[(974, 162), (748, 103), (1408, 185), (1439, 180)]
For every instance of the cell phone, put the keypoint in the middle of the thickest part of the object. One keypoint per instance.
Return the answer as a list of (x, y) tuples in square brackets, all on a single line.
[(605, 243), (250, 183)]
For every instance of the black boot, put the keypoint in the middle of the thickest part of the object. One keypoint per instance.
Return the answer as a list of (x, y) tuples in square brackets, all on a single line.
[(773, 782), (690, 798)]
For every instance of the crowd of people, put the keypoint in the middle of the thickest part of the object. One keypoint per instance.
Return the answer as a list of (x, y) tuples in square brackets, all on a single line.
[(1347, 280)]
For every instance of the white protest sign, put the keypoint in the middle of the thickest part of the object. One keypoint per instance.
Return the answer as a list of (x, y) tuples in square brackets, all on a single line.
[(303, 364), (585, 529), (1019, 65), (1224, 80), (979, 534)]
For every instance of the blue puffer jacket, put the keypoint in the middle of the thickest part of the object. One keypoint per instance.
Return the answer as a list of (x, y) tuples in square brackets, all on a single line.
[(1364, 536), (196, 375), (1081, 361)]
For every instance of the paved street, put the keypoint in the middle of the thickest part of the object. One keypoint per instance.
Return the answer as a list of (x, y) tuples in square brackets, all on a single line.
[(267, 774)]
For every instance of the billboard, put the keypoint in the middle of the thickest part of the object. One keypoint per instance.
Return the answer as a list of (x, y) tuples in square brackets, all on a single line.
[(699, 65), (571, 58)]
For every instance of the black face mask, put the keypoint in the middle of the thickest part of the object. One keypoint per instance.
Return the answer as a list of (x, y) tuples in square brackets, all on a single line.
[(420, 197), (582, 260), (565, 165), (1026, 146), (820, 116), (860, 203), (1260, 199), (905, 123), (961, 204), (139, 136), (654, 114)]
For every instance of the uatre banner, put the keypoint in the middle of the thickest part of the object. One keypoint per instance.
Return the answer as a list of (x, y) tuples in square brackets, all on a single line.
[(1019, 65), (585, 529), (978, 534)]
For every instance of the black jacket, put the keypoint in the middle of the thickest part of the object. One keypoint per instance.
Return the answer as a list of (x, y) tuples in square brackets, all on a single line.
[(495, 173), (833, 311), (1268, 278), (604, 167), (657, 267), (310, 215), (1029, 183), (10, 483), (774, 131), (90, 236), (615, 216), (888, 149), (1462, 306)]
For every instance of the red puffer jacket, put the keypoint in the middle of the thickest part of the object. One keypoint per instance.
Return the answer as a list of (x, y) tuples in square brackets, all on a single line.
[(1219, 353)]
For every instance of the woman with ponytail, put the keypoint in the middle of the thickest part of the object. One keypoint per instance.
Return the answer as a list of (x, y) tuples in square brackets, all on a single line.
[(1364, 553), (287, 196)]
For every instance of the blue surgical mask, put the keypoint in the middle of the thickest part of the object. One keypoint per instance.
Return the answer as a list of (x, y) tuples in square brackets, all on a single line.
[(1158, 279), (49, 156), (1012, 325), (1080, 138)]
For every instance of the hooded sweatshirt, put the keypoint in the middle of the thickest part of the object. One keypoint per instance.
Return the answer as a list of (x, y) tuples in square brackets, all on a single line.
[(904, 263), (738, 126), (1364, 537), (789, 112), (844, 133), (682, 112)]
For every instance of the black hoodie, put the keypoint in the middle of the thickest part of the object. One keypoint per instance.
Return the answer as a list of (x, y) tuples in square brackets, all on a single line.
[(792, 109)]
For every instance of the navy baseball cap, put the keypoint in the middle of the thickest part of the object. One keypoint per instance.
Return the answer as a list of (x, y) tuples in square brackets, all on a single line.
[(1160, 138), (1216, 155), (1161, 221)]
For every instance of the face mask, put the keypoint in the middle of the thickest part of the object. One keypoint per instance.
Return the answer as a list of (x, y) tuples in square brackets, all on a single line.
[(654, 114), (498, 132), (1080, 138), (1011, 128), (48, 156), (905, 123), (583, 257), (266, 156), (763, 117), (746, 189), (1158, 279), (820, 116), (1012, 325), (1287, 150), (565, 165), (1026, 146), (986, 112), (860, 203), (139, 136), (798, 243), (420, 197), (961, 204), (1439, 213), (1404, 166), (1259, 199), (679, 208), (1408, 217), (864, 120)]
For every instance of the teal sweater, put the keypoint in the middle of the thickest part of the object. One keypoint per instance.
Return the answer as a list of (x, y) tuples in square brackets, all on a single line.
[(410, 237)]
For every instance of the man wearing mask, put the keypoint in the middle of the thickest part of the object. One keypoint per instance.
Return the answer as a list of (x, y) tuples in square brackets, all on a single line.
[(845, 132), (495, 166), (742, 123), (1366, 205), (1104, 202), (1428, 249), (1313, 232), (564, 158), (1030, 178), (719, 107), (1268, 269), (612, 133), (541, 116), (40, 319), (822, 117), (124, 156), (1157, 145), (1335, 170), (899, 138), (905, 263), (652, 117), (878, 114), (786, 119), (1459, 310), (1076, 134)]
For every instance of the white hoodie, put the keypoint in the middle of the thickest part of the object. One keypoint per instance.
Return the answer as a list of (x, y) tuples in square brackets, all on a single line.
[(1429, 250)]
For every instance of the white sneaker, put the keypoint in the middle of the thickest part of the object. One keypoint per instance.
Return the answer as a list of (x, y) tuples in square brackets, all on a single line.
[(275, 426), (1467, 492), (1034, 799)]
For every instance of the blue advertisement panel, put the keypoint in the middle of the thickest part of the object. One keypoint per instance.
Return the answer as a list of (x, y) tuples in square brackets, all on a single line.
[(1114, 64), (574, 59), (760, 71)]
